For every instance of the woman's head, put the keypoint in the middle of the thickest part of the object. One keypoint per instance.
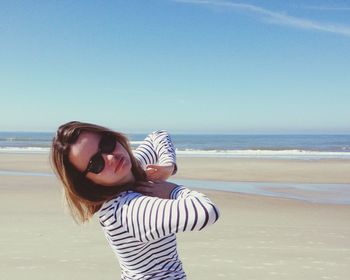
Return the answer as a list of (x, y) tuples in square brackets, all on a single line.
[(94, 163)]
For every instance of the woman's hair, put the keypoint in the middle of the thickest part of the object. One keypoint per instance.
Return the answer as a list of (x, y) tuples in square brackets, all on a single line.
[(83, 196)]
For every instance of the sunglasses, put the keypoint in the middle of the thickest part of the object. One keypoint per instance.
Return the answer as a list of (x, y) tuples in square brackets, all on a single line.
[(106, 146)]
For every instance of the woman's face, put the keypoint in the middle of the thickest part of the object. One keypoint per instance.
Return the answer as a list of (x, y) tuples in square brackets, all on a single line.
[(117, 164)]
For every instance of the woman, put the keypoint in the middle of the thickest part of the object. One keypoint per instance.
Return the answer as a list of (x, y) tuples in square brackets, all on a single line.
[(138, 210)]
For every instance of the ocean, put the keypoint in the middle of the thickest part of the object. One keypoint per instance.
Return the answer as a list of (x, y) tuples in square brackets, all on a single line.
[(256, 146)]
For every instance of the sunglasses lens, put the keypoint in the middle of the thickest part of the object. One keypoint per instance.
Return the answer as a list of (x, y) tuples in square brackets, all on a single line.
[(108, 143), (97, 164)]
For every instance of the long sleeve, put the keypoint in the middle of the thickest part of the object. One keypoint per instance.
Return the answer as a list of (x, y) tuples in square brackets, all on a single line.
[(157, 148), (149, 218)]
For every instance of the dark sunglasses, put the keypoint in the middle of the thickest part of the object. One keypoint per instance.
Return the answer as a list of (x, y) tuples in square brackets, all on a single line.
[(106, 146)]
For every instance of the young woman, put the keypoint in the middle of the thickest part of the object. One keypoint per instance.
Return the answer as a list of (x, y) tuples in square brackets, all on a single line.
[(138, 210)]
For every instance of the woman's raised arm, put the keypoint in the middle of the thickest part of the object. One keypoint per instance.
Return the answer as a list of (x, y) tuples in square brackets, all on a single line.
[(157, 155)]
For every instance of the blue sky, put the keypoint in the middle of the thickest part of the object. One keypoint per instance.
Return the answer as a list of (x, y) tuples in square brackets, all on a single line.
[(186, 66)]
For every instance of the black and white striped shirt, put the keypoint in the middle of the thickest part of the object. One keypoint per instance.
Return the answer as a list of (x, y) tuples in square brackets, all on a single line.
[(141, 229)]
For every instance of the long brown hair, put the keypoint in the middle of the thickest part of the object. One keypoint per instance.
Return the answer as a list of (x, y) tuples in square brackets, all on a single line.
[(83, 196)]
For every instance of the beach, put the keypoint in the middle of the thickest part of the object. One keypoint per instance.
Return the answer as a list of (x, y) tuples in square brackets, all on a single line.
[(250, 99), (256, 237)]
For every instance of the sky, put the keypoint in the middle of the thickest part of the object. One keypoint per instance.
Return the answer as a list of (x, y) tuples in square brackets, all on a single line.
[(233, 67)]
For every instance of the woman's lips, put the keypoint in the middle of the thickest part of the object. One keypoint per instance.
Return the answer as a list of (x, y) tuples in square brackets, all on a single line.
[(119, 164)]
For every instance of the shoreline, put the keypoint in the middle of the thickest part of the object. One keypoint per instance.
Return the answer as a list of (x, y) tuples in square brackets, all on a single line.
[(220, 169), (334, 194), (316, 181), (265, 170)]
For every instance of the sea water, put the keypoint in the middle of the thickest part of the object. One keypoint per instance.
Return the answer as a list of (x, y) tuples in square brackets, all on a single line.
[(236, 146)]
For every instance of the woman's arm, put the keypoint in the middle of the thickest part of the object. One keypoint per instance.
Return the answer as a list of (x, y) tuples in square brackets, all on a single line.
[(149, 218), (157, 155)]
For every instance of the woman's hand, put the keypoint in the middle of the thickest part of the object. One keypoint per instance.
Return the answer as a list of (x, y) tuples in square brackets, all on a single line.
[(161, 189), (159, 172)]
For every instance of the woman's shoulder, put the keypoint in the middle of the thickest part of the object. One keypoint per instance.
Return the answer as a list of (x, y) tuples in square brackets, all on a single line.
[(116, 202)]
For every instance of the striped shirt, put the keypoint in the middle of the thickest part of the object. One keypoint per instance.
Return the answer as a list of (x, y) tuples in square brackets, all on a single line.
[(141, 229)]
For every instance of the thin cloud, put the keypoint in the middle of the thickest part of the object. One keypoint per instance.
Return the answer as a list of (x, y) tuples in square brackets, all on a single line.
[(272, 17), (325, 8)]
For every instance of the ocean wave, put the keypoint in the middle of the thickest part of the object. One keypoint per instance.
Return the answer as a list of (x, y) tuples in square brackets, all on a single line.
[(288, 154), (24, 150), (262, 153), (21, 139), (136, 143)]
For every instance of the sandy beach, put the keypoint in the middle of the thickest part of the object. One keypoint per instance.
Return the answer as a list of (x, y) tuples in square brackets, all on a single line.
[(256, 237)]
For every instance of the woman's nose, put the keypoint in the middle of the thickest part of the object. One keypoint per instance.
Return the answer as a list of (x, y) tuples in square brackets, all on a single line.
[(109, 159)]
